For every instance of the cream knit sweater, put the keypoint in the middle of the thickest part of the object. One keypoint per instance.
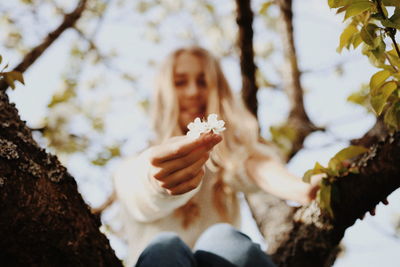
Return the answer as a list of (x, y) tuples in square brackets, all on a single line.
[(146, 210)]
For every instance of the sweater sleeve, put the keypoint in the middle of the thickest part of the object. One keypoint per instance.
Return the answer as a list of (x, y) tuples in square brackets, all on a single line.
[(142, 198)]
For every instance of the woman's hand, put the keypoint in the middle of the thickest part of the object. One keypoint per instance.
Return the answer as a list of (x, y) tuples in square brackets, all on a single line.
[(313, 187), (178, 165)]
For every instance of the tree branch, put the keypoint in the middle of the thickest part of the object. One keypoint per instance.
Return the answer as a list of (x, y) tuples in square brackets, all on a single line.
[(298, 118), (376, 134), (271, 214), (68, 22), (247, 66), (315, 237), (390, 31)]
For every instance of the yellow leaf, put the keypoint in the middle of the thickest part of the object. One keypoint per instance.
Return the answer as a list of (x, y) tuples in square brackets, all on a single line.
[(356, 40), (340, 10), (318, 168), (378, 79), (368, 34), (357, 8), (395, 3), (324, 197), (346, 36), (380, 96), (265, 6), (9, 80), (392, 116), (16, 76), (337, 3), (350, 152)]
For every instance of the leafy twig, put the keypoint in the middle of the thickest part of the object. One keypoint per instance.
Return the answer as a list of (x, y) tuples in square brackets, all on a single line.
[(390, 31)]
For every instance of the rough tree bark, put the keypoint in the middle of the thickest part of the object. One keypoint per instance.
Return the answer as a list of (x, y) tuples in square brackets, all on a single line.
[(43, 220), (314, 238)]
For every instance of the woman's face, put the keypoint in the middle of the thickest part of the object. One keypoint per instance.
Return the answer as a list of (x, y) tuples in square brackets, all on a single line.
[(191, 87)]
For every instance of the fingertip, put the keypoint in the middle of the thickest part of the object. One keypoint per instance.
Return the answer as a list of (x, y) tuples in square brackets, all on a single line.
[(206, 137), (216, 138)]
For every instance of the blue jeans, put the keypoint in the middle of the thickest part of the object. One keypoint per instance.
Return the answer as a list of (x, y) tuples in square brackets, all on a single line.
[(219, 246)]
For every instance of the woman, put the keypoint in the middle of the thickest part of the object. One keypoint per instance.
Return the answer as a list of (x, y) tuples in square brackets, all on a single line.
[(185, 185)]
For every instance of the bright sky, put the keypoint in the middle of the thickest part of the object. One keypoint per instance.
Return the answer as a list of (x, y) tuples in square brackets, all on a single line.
[(317, 31)]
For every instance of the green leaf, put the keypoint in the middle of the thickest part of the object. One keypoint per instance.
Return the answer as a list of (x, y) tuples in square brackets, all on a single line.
[(379, 97), (392, 116), (283, 135), (368, 34), (394, 59), (12, 76), (388, 23), (9, 80), (318, 168), (378, 79), (114, 151), (17, 76), (395, 18), (63, 96), (210, 8), (357, 40), (357, 8), (385, 87), (361, 97), (324, 197), (1, 59), (395, 3), (337, 3), (336, 163), (264, 8), (384, 10), (346, 36), (378, 56), (340, 10)]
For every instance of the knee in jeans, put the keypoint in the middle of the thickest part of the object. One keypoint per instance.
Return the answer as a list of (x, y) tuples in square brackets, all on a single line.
[(220, 229), (168, 241)]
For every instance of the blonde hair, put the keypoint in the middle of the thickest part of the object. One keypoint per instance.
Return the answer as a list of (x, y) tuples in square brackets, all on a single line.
[(240, 140)]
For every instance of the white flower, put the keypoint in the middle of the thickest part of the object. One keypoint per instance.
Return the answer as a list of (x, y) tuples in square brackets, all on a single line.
[(217, 126), (198, 127)]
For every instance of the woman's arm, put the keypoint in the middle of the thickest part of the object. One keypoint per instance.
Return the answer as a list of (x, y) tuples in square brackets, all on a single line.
[(163, 178), (273, 177)]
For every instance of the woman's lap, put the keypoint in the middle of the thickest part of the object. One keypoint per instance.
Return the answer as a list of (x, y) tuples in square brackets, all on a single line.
[(220, 245)]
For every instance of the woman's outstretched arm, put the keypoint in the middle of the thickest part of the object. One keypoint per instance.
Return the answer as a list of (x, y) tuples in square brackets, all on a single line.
[(273, 177), (164, 177)]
